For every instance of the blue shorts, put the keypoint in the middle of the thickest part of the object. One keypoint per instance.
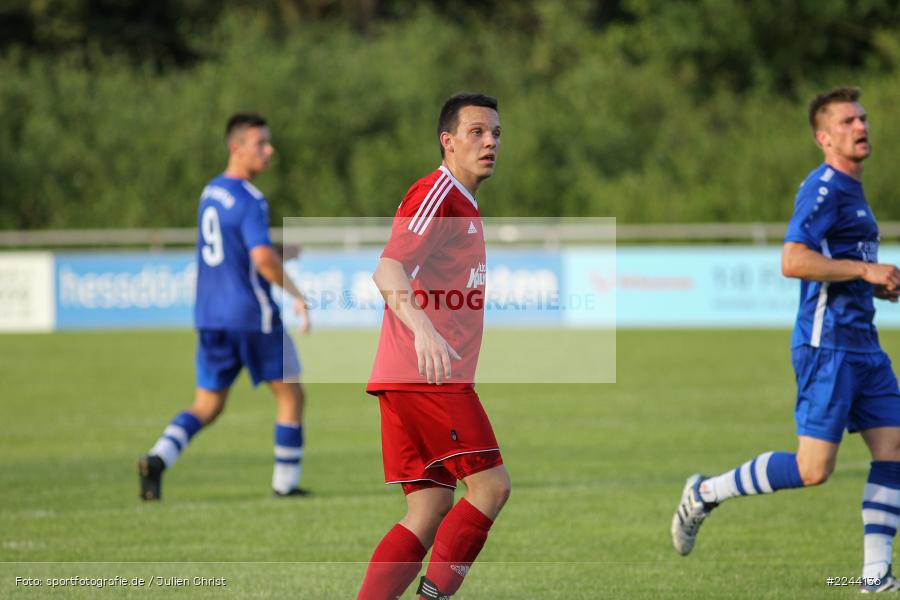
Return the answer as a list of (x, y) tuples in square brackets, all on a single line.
[(221, 354), (838, 390)]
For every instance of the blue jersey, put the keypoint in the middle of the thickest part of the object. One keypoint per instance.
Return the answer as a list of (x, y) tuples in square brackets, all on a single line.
[(832, 217), (233, 218)]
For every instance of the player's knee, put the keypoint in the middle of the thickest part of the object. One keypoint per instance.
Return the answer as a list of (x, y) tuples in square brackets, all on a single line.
[(441, 509), (503, 490), (291, 399), (502, 487), (206, 412), (426, 519), (495, 490), (300, 397), (210, 415), (816, 474)]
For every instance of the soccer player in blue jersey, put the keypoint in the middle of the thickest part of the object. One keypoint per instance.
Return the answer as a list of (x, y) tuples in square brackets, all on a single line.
[(238, 323), (844, 378)]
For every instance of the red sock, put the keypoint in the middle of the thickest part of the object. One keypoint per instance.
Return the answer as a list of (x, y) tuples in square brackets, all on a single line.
[(459, 539), (394, 564)]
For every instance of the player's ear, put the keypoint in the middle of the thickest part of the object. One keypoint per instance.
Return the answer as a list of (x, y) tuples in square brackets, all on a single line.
[(447, 141), (822, 138)]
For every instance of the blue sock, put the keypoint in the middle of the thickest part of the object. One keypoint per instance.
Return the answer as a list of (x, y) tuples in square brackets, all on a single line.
[(176, 437), (288, 456), (767, 473), (783, 472), (880, 513)]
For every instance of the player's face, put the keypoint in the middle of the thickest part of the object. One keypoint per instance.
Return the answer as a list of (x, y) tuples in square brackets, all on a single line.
[(845, 131), (253, 149), (476, 143)]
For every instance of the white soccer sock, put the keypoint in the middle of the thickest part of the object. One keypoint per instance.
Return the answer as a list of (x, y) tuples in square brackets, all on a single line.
[(285, 477), (749, 479), (167, 446), (877, 549), (288, 457), (881, 506), (176, 437)]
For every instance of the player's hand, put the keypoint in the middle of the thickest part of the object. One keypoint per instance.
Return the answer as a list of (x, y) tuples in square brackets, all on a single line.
[(886, 276), (434, 354), (882, 293), (301, 310)]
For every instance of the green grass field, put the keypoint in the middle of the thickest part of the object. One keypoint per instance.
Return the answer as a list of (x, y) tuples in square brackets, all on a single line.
[(597, 471)]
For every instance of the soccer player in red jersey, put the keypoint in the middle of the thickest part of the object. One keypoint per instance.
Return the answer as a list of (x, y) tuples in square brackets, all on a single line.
[(434, 430)]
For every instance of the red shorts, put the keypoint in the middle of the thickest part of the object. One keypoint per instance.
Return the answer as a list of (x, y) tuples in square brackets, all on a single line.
[(434, 438)]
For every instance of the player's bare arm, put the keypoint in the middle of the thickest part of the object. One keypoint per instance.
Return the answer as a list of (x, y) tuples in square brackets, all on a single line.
[(433, 353), (801, 262), (268, 264)]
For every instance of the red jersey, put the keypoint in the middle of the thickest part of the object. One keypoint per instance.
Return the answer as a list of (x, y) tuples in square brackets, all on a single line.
[(437, 236)]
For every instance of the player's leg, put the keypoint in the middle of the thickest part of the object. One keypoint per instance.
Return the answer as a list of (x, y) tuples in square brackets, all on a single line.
[(288, 437), (825, 385), (464, 531), (488, 490), (764, 474), (217, 365), (208, 404), (876, 414), (772, 471), (881, 501), (426, 505), (429, 496), (398, 557), (272, 357)]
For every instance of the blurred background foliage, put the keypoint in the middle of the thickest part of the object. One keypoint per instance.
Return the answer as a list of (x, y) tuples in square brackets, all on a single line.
[(112, 111)]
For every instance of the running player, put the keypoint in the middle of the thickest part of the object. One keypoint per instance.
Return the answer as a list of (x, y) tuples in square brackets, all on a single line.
[(844, 378), (238, 324)]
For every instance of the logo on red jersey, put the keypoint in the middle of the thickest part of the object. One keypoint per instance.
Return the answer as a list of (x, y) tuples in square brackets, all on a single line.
[(477, 276)]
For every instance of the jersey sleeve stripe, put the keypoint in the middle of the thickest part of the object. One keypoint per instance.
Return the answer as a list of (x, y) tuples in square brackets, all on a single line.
[(440, 185), (252, 190), (819, 314), (433, 211), (264, 307)]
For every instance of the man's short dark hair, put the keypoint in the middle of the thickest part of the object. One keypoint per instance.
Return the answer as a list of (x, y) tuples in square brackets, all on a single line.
[(818, 104), (449, 119), (238, 122)]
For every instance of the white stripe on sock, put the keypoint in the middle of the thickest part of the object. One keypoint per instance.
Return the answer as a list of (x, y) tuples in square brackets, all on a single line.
[(178, 432), (746, 480), (288, 452), (873, 516), (762, 472), (881, 494), (166, 450)]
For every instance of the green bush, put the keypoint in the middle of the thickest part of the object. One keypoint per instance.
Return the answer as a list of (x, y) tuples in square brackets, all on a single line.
[(673, 112)]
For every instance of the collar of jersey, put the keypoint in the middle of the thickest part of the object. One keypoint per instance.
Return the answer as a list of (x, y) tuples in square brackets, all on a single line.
[(843, 176), (458, 185)]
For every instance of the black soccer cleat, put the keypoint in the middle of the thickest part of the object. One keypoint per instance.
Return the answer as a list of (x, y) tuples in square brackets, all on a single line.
[(427, 589), (294, 493), (150, 468)]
